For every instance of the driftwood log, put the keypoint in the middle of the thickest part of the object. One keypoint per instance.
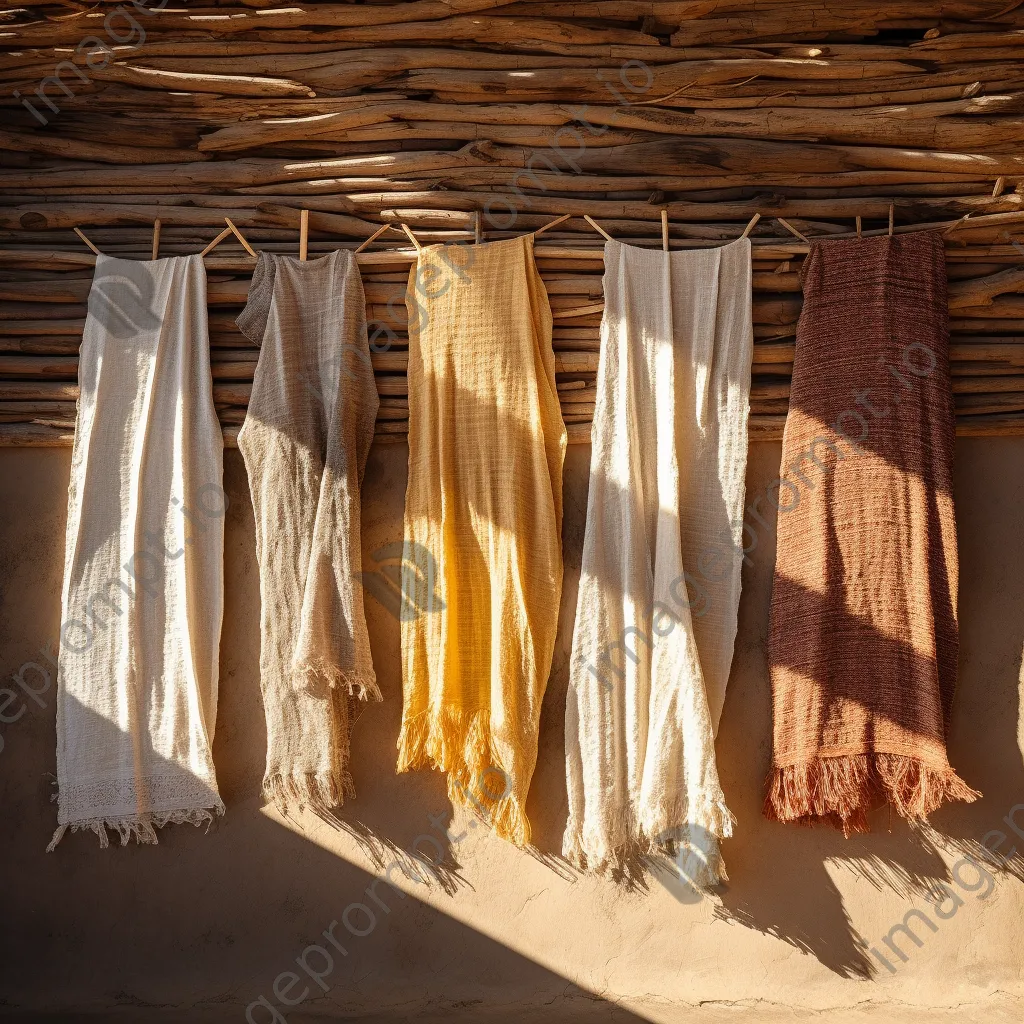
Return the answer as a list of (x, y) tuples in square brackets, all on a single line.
[(477, 119)]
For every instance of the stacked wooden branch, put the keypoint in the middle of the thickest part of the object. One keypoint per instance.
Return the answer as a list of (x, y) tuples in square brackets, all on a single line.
[(454, 116)]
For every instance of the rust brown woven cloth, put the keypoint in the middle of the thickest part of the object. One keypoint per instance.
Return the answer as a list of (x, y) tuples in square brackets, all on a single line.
[(863, 638)]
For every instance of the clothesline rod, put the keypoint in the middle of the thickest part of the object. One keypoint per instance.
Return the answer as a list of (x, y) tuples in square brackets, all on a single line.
[(81, 235), (764, 249)]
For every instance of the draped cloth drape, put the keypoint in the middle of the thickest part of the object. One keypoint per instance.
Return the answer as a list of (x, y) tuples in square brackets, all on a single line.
[(864, 638), (305, 442), (143, 590), (483, 558), (660, 582)]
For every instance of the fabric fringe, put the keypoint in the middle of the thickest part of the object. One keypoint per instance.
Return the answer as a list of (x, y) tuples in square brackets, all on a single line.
[(705, 813), (361, 687), (140, 827), (319, 791), (841, 790), (459, 743), (688, 832)]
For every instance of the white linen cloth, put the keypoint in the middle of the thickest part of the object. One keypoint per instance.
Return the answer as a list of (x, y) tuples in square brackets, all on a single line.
[(305, 442), (143, 591), (652, 647)]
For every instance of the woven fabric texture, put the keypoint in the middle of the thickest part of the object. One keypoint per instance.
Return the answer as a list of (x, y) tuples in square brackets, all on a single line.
[(305, 442), (863, 638), (660, 582), (143, 591), (483, 514)]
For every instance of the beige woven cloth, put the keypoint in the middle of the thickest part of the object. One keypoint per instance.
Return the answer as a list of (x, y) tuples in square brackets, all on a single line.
[(143, 591), (305, 441), (483, 505), (660, 582)]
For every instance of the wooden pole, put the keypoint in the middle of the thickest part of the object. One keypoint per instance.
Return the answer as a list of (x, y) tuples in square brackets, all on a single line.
[(213, 245), (412, 237), (597, 227), (81, 235), (551, 224), (792, 230), (238, 234), (380, 231)]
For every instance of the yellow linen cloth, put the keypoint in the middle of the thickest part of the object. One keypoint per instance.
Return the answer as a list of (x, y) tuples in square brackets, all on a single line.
[(483, 517)]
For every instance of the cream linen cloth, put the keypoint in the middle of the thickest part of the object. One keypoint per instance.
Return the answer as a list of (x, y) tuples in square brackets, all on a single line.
[(483, 505), (659, 589), (305, 441), (143, 591)]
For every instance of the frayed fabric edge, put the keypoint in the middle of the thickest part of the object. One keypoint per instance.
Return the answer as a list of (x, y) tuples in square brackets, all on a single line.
[(459, 743), (675, 822), (840, 791), (360, 686), (319, 791), (140, 827)]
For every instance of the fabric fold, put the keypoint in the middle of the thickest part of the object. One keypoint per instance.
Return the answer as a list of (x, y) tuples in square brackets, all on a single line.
[(143, 592), (864, 636), (660, 581), (305, 442), (482, 562)]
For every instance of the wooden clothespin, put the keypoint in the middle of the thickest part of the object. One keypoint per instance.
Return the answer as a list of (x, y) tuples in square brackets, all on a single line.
[(81, 235), (477, 233), (956, 224), (380, 231), (750, 226), (597, 227), (303, 234), (892, 216), (213, 245), (664, 230), (552, 223), (858, 226), (238, 234), (156, 239), (997, 189), (792, 230), (412, 237)]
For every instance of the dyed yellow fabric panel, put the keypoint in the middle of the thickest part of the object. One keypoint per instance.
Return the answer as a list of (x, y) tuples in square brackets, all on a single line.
[(483, 517)]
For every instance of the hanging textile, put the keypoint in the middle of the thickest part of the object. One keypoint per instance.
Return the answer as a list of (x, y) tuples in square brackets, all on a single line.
[(305, 442), (660, 581), (864, 637), (483, 506), (143, 591)]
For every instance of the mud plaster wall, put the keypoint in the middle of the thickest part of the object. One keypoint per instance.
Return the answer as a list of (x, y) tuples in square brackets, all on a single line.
[(202, 925)]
